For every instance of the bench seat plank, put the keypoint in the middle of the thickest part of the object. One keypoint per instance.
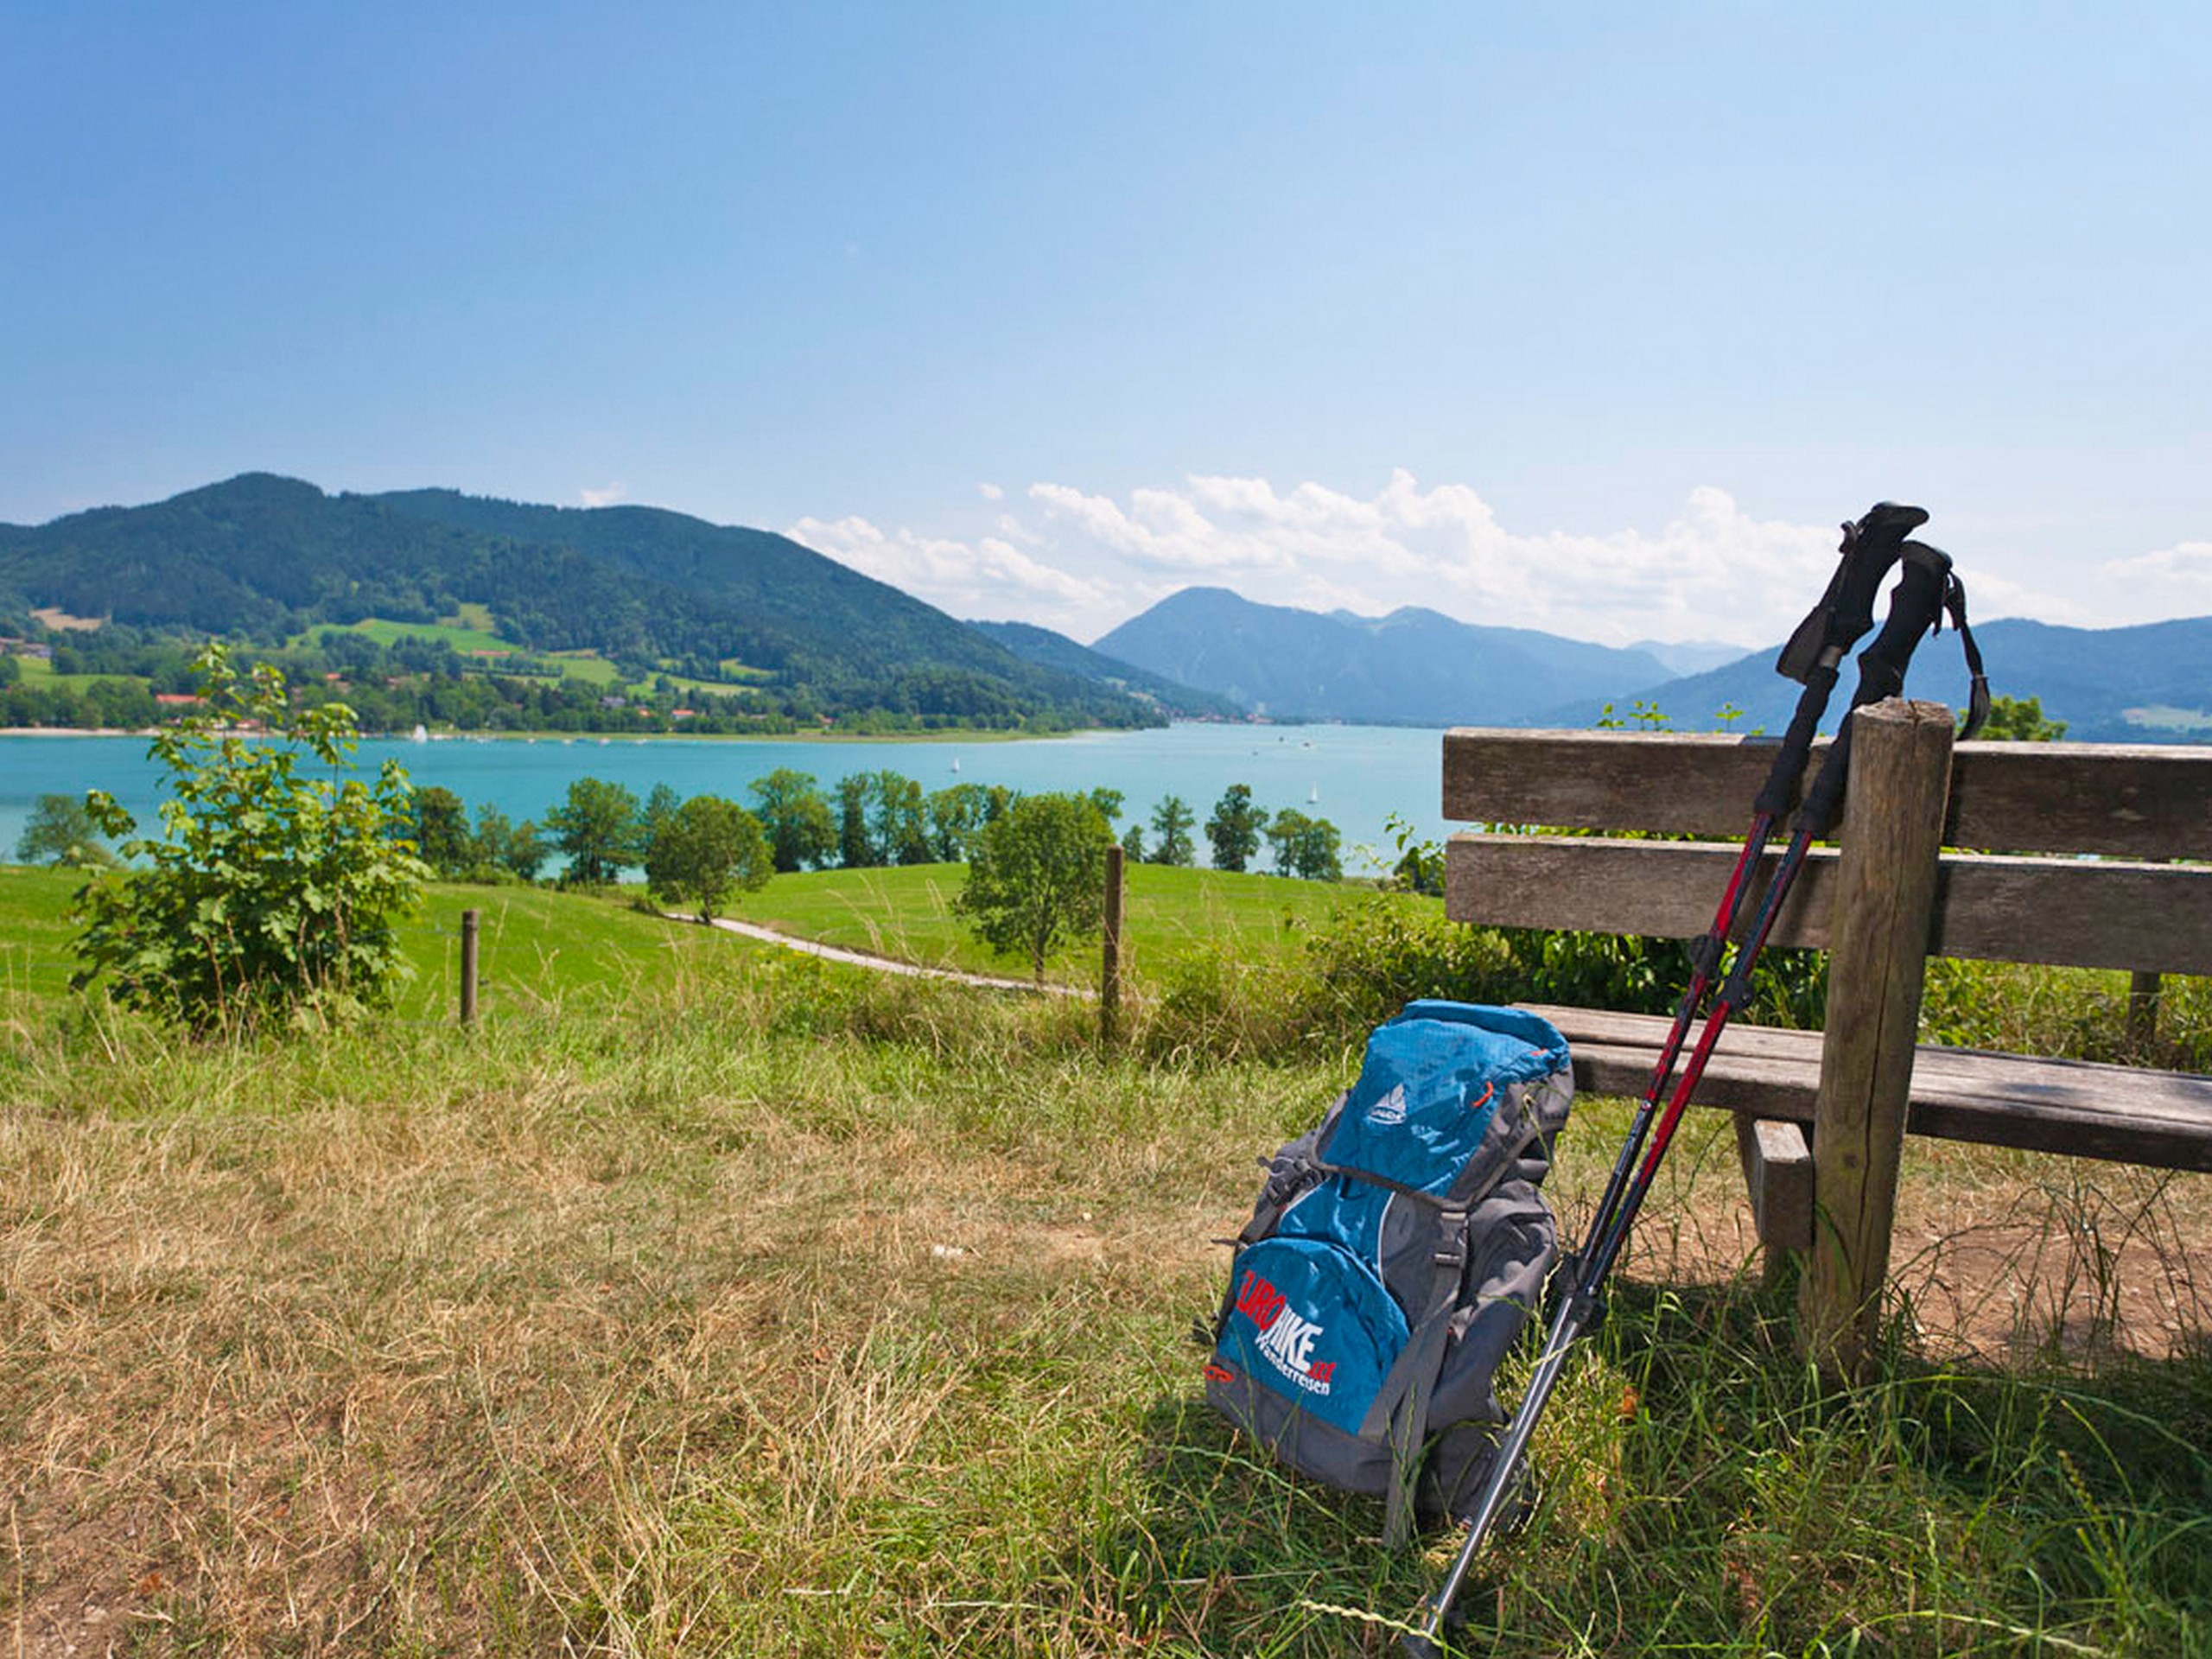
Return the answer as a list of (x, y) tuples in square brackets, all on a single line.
[(2123, 1114)]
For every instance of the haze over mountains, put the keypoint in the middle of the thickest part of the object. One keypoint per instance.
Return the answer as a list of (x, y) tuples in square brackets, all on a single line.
[(265, 557), (1412, 667), (2148, 684), (2144, 684)]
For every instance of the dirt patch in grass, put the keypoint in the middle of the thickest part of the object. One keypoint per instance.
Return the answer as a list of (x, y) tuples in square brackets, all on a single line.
[(1998, 1256)]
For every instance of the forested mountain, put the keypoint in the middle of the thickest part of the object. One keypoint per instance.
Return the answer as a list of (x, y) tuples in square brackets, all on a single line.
[(1055, 651), (1412, 667), (265, 558)]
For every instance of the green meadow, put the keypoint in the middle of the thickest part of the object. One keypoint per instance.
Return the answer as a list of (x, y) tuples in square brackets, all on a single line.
[(1172, 918), (40, 671), (471, 631)]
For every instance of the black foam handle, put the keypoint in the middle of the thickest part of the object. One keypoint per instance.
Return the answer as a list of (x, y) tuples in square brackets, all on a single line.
[(1846, 609), (1915, 608), (1881, 537), (1781, 787), (1915, 611)]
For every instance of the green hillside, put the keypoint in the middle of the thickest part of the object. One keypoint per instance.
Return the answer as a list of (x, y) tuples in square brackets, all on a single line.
[(1055, 651), (267, 559)]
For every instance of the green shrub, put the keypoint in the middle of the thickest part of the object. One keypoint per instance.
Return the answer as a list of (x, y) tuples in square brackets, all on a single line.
[(269, 895), (1375, 956)]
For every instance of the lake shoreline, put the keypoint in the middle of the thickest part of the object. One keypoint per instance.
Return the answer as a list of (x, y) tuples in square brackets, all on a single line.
[(611, 738), (1357, 778)]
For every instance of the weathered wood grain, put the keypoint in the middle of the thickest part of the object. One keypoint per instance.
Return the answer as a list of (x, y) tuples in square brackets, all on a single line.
[(1884, 898), (2123, 800), (1778, 1175), (1602, 885), (2082, 913), (2116, 1113)]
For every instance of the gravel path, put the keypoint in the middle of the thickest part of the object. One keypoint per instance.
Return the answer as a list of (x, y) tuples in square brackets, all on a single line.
[(885, 964)]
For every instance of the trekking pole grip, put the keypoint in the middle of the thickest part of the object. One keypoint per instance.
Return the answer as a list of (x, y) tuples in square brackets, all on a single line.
[(1781, 787), (1915, 608)]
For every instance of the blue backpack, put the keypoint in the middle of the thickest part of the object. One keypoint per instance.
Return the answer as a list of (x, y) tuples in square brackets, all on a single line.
[(1393, 1257)]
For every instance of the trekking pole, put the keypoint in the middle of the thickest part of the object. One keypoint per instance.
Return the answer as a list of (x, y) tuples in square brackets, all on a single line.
[(1927, 590), (1812, 657)]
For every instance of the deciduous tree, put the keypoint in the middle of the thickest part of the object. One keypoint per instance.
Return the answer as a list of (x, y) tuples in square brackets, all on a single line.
[(61, 831), (957, 816), (1307, 848), (1172, 822), (705, 849), (441, 835), (596, 826), (1036, 876), (2019, 720), (795, 817), (1235, 828)]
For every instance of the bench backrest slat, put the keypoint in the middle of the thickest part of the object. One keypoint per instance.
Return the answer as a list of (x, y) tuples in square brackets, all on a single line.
[(2079, 913), (2117, 800)]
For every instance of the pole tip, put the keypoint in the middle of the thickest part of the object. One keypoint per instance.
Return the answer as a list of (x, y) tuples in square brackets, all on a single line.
[(1419, 1647)]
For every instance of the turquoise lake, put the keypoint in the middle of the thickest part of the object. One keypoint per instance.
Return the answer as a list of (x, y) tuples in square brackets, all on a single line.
[(1354, 776)]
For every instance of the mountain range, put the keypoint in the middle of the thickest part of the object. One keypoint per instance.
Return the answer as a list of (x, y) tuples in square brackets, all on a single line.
[(1413, 667), (261, 557), (2147, 683), (1055, 651), (2151, 683)]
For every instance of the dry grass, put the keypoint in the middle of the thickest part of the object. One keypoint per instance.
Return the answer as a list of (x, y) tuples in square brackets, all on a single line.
[(326, 1364), (785, 1316)]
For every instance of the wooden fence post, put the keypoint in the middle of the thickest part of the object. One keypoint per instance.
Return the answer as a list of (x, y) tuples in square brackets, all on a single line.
[(1885, 894), (468, 967), (2143, 1008), (1109, 986)]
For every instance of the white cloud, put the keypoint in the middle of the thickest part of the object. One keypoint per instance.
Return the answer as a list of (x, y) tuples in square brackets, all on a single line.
[(989, 578), (2175, 581), (990, 492), (1711, 570), (1082, 561), (608, 496)]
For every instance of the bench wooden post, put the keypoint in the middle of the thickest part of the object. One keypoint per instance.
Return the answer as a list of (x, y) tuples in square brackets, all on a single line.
[(468, 966), (1885, 896)]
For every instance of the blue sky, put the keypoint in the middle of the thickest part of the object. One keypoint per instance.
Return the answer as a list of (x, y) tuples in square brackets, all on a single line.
[(1595, 318)]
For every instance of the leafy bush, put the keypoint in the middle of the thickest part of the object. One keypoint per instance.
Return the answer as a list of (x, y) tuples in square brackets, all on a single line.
[(1376, 956), (1419, 864), (269, 895)]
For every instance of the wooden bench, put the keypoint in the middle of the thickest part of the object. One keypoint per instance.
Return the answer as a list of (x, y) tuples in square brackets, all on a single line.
[(2076, 876)]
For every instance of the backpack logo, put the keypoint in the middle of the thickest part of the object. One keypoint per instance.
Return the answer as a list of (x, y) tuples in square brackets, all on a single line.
[(1286, 1337), (1390, 1109)]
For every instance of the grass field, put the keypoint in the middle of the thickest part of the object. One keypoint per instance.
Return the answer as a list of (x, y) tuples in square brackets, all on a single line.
[(537, 949), (39, 670), (462, 637), (709, 1299), (1170, 916)]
